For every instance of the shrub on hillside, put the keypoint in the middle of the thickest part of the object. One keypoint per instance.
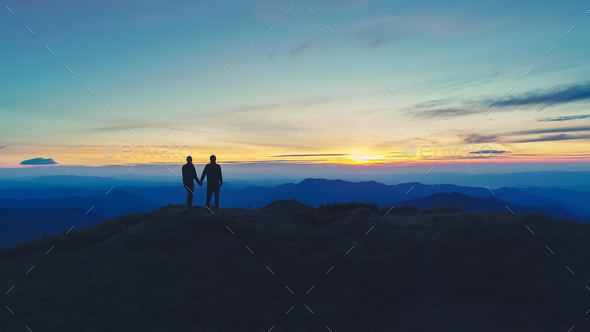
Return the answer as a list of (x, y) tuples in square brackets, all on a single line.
[(415, 211), (335, 208), (443, 210)]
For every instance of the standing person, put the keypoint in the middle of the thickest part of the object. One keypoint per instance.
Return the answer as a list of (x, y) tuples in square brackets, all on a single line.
[(214, 180), (189, 173)]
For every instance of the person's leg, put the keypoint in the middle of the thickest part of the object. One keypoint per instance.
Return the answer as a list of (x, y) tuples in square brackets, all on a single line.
[(209, 192), (190, 190), (216, 191)]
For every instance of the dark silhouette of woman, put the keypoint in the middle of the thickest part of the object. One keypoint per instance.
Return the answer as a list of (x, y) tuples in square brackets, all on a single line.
[(189, 173)]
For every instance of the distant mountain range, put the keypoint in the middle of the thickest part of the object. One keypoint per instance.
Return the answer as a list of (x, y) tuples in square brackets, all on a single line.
[(64, 193), (576, 178), (23, 220), (20, 226), (315, 192), (141, 196), (116, 203)]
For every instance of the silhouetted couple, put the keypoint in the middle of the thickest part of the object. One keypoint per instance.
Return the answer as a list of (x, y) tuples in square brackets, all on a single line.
[(214, 180)]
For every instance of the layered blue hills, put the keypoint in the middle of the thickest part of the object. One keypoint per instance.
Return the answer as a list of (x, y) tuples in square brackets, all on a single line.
[(65, 200)]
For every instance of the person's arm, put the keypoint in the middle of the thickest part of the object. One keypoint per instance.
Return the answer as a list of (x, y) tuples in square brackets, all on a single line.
[(204, 173), (195, 176)]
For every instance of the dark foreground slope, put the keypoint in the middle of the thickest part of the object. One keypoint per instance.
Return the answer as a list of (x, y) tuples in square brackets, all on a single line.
[(174, 271)]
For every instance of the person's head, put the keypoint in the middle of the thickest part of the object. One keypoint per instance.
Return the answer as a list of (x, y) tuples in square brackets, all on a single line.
[(213, 158), (189, 159)]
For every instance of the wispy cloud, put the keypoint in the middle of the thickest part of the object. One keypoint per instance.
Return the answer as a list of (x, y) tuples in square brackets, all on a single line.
[(549, 130), (559, 137), (301, 48), (561, 118), (2, 147), (376, 38), (274, 105), (570, 94), (535, 135), (382, 30), (312, 155), (132, 127), (435, 102), (578, 92), (481, 138), (485, 152), (444, 113)]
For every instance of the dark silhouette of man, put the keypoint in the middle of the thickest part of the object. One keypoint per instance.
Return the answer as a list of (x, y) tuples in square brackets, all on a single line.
[(189, 173), (214, 180)]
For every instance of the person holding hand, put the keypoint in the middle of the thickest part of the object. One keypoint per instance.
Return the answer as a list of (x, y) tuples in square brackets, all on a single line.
[(189, 174), (214, 180)]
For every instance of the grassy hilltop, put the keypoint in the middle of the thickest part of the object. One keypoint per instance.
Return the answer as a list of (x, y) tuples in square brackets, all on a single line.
[(415, 270)]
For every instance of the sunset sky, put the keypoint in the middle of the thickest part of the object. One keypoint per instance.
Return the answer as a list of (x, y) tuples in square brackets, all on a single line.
[(314, 86)]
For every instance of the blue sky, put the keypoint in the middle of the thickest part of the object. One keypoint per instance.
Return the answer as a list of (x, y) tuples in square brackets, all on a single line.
[(299, 91)]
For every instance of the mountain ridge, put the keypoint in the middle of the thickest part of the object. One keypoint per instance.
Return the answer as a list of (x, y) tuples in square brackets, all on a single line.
[(472, 204), (115, 203)]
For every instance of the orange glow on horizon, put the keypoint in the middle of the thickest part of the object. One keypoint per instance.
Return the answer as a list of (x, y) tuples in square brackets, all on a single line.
[(356, 162)]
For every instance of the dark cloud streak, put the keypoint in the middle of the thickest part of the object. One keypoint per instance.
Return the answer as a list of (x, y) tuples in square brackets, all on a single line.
[(301, 48), (481, 138), (561, 118), (38, 161), (311, 155), (559, 137), (547, 131), (559, 96), (490, 152)]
